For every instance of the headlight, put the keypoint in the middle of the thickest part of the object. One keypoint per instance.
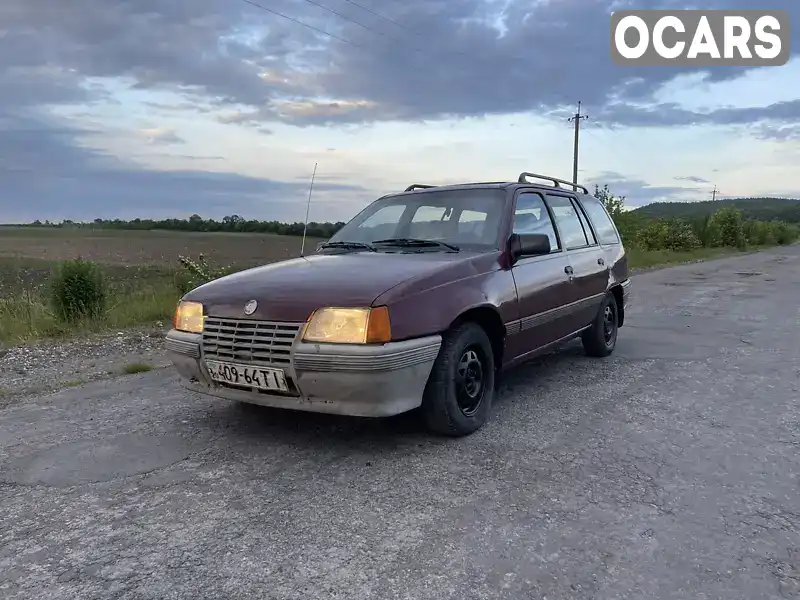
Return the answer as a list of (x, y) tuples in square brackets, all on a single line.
[(349, 326), (189, 317)]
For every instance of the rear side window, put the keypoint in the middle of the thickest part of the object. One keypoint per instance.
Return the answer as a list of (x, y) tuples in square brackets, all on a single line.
[(586, 229), (603, 225), (568, 222)]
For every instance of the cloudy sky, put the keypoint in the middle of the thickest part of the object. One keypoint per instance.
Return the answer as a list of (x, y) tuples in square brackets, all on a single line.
[(159, 108)]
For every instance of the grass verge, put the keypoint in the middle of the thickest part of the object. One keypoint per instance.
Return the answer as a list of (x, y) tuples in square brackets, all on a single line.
[(148, 295), (648, 259), (136, 367), (26, 316)]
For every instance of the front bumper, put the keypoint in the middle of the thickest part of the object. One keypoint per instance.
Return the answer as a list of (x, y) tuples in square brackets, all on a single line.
[(358, 380)]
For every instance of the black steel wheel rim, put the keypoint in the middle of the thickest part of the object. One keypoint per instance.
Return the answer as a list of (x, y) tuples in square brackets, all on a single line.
[(609, 323), (471, 379)]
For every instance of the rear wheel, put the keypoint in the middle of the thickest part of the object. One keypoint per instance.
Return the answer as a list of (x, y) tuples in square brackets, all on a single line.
[(460, 390), (601, 338)]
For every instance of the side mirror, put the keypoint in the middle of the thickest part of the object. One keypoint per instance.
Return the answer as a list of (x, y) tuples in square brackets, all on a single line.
[(528, 244)]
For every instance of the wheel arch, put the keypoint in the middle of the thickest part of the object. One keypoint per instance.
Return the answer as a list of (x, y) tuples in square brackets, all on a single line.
[(489, 319)]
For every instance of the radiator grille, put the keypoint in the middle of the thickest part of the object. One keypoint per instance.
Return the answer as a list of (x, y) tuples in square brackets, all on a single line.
[(266, 343)]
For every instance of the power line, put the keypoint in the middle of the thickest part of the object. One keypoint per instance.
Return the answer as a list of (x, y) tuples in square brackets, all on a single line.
[(576, 118), (380, 16), (287, 17), (376, 31), (346, 18)]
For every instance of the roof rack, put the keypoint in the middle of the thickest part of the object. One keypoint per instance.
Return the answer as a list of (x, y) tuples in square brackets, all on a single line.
[(418, 186), (523, 178)]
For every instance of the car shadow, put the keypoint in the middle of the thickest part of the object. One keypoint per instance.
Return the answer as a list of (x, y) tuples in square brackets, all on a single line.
[(248, 421)]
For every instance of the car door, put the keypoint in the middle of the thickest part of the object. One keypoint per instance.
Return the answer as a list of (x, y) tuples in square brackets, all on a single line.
[(589, 271), (542, 282)]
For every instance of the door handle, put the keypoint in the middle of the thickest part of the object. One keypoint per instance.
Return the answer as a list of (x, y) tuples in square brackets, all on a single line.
[(601, 261)]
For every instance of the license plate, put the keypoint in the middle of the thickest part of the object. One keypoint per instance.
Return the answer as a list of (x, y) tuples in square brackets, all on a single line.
[(262, 378)]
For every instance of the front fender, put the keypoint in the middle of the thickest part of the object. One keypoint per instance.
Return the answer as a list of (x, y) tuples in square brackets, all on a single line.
[(431, 311)]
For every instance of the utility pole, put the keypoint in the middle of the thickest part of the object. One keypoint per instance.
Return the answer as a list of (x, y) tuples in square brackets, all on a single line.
[(576, 118)]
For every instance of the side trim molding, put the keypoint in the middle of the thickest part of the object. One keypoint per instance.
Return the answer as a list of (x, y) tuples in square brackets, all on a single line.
[(547, 316)]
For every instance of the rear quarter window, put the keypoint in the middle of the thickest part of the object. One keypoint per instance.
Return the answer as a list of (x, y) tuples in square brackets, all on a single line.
[(603, 225)]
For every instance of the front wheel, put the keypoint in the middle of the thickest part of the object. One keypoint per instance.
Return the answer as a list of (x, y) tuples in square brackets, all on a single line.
[(601, 338), (460, 390)]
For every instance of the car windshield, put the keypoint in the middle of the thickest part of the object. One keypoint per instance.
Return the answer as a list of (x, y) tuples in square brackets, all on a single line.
[(450, 219)]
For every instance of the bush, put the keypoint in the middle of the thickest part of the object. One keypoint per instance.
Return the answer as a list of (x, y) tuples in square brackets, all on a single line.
[(628, 224), (728, 227), (197, 272), (77, 291), (681, 236), (670, 234), (784, 233), (652, 235), (706, 231)]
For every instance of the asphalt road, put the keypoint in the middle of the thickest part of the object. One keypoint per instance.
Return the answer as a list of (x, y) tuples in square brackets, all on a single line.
[(667, 471)]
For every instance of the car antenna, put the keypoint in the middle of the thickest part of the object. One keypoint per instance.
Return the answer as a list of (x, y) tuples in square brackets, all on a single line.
[(308, 207)]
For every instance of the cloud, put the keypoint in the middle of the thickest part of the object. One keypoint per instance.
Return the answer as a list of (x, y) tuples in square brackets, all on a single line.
[(159, 135), (46, 173), (777, 131), (692, 178), (440, 59), (671, 115), (638, 192)]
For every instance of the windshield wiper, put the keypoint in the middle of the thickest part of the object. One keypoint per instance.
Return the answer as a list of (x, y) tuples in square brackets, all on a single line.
[(362, 245), (412, 242)]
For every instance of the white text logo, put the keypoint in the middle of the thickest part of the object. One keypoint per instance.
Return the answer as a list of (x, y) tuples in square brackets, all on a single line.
[(700, 37)]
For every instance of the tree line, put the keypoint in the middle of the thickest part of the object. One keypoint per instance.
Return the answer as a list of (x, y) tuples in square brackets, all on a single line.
[(761, 209), (657, 226), (196, 223), (720, 224)]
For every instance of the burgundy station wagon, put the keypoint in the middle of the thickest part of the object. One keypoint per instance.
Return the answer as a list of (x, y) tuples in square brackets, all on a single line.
[(417, 303)]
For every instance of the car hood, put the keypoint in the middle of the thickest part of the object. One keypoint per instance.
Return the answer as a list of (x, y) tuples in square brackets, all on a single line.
[(290, 290)]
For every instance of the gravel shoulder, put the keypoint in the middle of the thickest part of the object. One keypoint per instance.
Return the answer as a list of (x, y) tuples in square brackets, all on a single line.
[(668, 471), (28, 371)]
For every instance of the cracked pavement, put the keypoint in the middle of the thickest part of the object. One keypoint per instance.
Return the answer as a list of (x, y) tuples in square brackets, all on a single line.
[(667, 471)]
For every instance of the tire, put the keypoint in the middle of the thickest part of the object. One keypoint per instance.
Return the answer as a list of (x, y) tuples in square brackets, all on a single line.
[(601, 338), (448, 408)]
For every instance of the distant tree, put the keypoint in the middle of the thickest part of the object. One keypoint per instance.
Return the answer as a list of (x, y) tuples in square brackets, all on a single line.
[(231, 223), (615, 205)]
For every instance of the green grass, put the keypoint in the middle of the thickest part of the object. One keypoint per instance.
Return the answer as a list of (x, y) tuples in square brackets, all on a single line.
[(137, 296), (25, 319), (71, 383), (646, 259), (137, 367)]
